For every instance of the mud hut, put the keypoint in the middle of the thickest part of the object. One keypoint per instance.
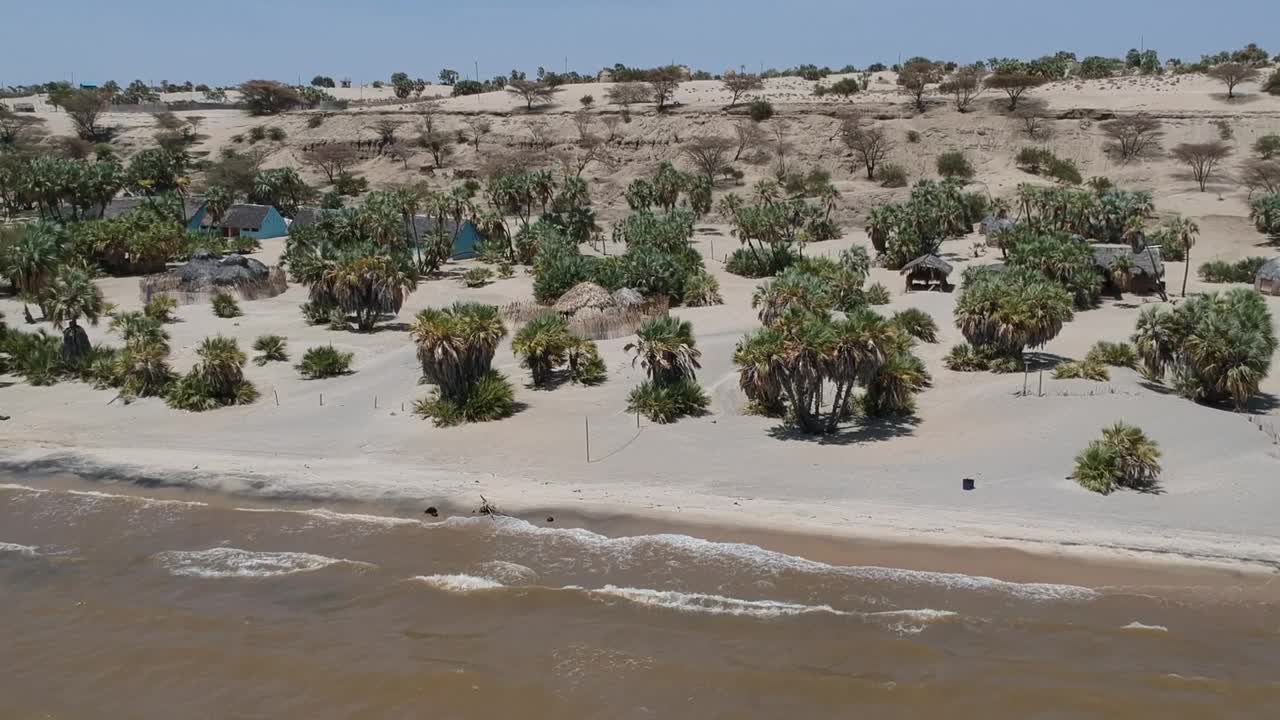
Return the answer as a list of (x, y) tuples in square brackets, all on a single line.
[(1143, 269), (207, 273), (1267, 281), (927, 271)]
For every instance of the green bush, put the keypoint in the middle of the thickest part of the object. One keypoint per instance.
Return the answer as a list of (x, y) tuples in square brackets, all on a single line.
[(489, 398), (966, 358), (477, 277), (276, 134), (324, 362), (350, 184), (1034, 159), (760, 110), (160, 308), (270, 348), (1265, 213), (1241, 271), (37, 356), (745, 262), (666, 403), (913, 136), (557, 267), (877, 294), (954, 164), (892, 175), (257, 133), (1064, 171), (225, 305), (216, 381), (701, 289), (505, 271), (917, 323), (1124, 458), (315, 121), (1119, 354), (586, 367), (1272, 85), (1087, 370), (316, 312), (1267, 146)]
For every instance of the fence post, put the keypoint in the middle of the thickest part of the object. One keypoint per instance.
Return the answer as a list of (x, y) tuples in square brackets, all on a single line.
[(321, 399), (586, 422), (277, 394), (375, 402), (1040, 392)]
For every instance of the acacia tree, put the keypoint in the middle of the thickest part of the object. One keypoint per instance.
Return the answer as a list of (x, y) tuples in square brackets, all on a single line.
[(1014, 84), (332, 159), (268, 97), (709, 154), (533, 93), (663, 82), (964, 86), (1133, 135), (749, 134), (916, 76), (479, 128), (1202, 158), (85, 108), (870, 145), (741, 83), (1232, 74)]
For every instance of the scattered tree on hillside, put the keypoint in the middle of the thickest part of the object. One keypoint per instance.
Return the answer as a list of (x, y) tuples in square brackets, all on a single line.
[(741, 83), (1202, 158), (1014, 84), (448, 77), (268, 97), (323, 81), (479, 126), (964, 86), (916, 76), (533, 93), (386, 129), (331, 159), (627, 94), (1032, 114), (85, 108), (402, 84), (709, 154), (749, 135), (1232, 74), (663, 82), (870, 145), (1134, 135)]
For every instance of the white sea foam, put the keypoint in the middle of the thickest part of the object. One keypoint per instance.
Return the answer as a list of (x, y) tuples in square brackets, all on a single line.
[(332, 516), (768, 562), (21, 488), (27, 550), (1135, 625), (459, 583), (910, 622), (99, 495), (507, 573), (710, 604), (224, 562)]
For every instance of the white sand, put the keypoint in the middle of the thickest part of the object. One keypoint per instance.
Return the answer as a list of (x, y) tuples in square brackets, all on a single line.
[(1220, 487)]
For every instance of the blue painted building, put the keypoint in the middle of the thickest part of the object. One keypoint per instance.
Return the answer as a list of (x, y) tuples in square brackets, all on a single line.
[(256, 221)]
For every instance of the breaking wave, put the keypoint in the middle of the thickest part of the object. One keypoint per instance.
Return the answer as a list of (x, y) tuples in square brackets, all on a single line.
[(459, 583), (27, 550), (236, 563), (1135, 625), (710, 604)]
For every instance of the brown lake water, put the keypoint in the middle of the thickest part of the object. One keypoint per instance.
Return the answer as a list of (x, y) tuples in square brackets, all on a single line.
[(185, 606)]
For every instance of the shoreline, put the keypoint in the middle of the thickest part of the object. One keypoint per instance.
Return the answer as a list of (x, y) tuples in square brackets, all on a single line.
[(911, 541)]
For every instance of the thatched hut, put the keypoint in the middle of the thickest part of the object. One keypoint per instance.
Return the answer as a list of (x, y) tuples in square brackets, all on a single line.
[(1143, 270), (927, 271), (994, 225), (582, 296), (1267, 281), (207, 273)]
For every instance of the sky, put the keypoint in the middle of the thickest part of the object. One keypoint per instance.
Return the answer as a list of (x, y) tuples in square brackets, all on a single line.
[(227, 41)]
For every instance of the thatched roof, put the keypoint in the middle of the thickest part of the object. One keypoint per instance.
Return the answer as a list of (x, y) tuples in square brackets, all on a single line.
[(1270, 270), (991, 225), (927, 262), (626, 297), (584, 295), (1146, 261), (206, 270), (124, 205)]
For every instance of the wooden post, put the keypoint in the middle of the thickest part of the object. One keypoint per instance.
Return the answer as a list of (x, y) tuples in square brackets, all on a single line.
[(1025, 372), (321, 399), (375, 402), (1040, 392), (277, 394), (587, 426)]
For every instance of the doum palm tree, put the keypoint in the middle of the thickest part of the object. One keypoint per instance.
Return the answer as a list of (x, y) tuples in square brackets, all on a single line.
[(70, 296), (666, 349)]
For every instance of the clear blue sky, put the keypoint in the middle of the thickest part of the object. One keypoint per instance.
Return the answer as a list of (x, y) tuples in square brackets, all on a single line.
[(226, 41)]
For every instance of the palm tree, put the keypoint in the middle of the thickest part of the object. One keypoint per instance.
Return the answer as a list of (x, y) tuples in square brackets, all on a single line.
[(891, 391), (456, 345), (368, 287), (31, 260), (143, 367), (222, 367), (793, 288), (543, 344), (759, 380), (1183, 232), (1124, 457), (71, 296), (666, 349), (218, 200)]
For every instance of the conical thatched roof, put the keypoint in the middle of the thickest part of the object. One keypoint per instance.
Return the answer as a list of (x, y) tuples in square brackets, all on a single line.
[(931, 262), (1270, 270), (626, 297), (584, 295)]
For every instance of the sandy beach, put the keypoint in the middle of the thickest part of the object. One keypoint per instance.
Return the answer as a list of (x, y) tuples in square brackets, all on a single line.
[(351, 438)]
